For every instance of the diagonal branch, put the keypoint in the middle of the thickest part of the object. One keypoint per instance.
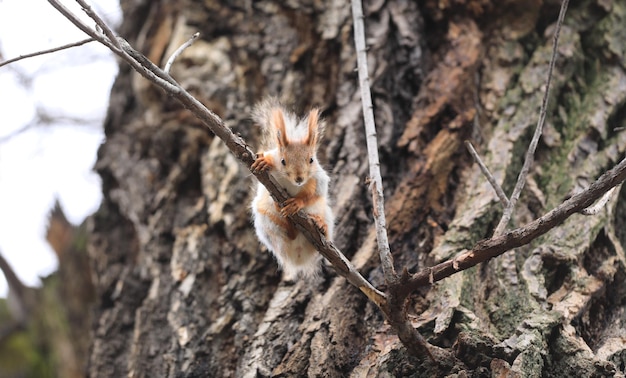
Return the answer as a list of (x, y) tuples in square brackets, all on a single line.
[(496, 246), (492, 180), (100, 22), (235, 144), (122, 48), (82, 26), (530, 153)]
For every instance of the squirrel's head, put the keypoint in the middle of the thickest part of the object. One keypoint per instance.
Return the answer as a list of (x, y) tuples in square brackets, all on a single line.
[(297, 147)]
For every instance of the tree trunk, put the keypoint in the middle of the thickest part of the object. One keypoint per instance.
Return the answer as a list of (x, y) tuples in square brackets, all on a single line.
[(184, 286)]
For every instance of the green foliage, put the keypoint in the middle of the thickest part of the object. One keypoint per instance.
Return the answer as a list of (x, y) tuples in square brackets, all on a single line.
[(21, 354)]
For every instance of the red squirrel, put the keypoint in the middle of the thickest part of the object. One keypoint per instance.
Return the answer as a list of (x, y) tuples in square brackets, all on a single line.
[(291, 159)]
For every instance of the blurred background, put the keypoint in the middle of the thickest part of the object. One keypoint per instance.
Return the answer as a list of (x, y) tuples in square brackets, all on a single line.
[(52, 108), (51, 113)]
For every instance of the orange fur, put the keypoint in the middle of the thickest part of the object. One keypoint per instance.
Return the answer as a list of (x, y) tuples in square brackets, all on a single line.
[(282, 222), (304, 198), (293, 165)]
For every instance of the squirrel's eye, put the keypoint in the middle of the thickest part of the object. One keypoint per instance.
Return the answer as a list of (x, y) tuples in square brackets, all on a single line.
[(282, 161), (311, 161)]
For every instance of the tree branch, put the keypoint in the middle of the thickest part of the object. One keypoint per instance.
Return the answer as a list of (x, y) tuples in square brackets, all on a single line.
[(492, 180), (82, 26), (235, 144), (105, 28), (530, 153), (48, 51), (496, 246), (395, 308), (122, 48), (179, 51), (372, 144), (595, 209)]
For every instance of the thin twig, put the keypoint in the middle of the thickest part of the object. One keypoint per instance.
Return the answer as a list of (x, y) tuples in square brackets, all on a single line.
[(530, 153), (118, 45), (13, 134), (82, 26), (179, 51), (492, 180), (100, 22), (48, 51), (121, 48), (595, 209), (372, 146)]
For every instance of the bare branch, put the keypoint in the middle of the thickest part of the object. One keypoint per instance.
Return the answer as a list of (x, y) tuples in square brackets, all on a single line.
[(372, 144), (105, 28), (530, 153), (146, 68), (43, 118), (15, 133), (595, 209), (179, 51), (496, 246), (82, 26), (122, 48), (395, 309), (48, 51), (492, 180)]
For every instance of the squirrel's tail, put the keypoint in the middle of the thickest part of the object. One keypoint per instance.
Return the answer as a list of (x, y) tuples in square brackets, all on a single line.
[(262, 116)]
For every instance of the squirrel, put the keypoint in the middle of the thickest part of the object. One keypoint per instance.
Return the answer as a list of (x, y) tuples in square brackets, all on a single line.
[(291, 159)]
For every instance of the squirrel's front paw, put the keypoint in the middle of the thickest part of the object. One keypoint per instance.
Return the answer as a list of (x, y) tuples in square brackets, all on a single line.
[(261, 164), (292, 206), (320, 223)]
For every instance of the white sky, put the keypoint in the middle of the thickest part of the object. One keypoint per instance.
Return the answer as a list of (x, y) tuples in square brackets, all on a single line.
[(48, 162)]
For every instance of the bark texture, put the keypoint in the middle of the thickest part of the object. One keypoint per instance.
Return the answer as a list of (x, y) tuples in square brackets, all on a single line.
[(184, 287)]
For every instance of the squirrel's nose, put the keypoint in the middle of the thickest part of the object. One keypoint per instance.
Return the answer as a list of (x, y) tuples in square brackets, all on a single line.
[(299, 180)]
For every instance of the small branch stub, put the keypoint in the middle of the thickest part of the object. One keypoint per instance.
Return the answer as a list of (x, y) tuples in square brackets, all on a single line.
[(487, 174), (176, 54), (598, 206)]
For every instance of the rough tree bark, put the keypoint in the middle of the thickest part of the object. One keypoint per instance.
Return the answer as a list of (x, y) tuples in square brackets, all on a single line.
[(184, 287)]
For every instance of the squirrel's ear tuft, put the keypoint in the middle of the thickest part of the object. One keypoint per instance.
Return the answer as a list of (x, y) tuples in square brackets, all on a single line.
[(313, 124), (278, 118)]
